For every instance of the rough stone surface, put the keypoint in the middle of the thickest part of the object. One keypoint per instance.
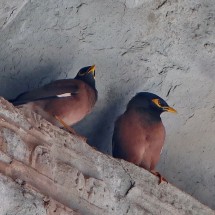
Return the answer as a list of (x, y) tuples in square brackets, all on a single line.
[(16, 200), (63, 175), (166, 47)]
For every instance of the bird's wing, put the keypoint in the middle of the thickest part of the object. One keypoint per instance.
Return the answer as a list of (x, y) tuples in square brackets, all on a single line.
[(59, 88)]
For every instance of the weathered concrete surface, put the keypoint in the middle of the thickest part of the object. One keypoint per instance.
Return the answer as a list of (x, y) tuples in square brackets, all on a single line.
[(16, 200), (166, 47), (75, 178)]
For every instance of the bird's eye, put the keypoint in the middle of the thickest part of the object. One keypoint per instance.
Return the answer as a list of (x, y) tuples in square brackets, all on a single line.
[(81, 73), (157, 102)]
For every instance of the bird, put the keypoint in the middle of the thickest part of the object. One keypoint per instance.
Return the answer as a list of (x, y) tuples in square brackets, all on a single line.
[(139, 133), (63, 102)]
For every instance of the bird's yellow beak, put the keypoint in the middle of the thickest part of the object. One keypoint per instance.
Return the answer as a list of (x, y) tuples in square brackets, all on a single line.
[(165, 108), (169, 109), (92, 70)]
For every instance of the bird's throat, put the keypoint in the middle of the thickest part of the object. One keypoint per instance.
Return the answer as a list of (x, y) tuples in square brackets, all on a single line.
[(150, 116)]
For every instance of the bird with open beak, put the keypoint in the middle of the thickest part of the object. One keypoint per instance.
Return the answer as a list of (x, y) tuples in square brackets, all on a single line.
[(63, 102), (139, 133)]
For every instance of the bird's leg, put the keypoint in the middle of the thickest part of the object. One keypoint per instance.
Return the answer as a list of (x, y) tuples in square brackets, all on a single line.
[(71, 130), (161, 178), (67, 127)]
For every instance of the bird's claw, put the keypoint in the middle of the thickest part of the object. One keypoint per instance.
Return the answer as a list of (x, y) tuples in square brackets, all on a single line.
[(69, 129), (161, 178)]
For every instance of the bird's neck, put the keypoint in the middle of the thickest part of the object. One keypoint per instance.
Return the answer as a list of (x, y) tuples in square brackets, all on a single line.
[(90, 81), (152, 117), (148, 115)]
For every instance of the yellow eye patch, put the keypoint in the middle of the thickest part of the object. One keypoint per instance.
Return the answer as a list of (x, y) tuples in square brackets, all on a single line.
[(157, 102), (81, 73), (165, 108)]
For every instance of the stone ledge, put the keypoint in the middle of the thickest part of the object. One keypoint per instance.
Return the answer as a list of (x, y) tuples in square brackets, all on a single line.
[(66, 170)]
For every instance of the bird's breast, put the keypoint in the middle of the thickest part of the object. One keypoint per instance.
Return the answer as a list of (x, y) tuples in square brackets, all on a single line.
[(135, 130)]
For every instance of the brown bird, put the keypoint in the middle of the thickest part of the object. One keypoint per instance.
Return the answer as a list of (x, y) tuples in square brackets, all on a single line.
[(63, 102), (139, 133)]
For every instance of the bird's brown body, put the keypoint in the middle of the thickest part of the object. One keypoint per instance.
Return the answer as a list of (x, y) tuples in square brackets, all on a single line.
[(63, 102), (138, 138), (70, 109), (139, 133)]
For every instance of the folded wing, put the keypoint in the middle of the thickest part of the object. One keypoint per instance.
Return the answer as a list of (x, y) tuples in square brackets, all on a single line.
[(59, 88)]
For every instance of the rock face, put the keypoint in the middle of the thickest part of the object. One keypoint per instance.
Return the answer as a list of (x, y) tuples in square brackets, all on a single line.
[(162, 46), (57, 173), (16, 200)]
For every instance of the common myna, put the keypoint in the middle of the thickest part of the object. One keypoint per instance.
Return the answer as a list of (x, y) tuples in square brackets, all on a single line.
[(139, 133), (63, 102)]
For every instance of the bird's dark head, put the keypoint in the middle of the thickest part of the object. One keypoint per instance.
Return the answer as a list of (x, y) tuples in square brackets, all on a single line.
[(150, 102), (87, 74)]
